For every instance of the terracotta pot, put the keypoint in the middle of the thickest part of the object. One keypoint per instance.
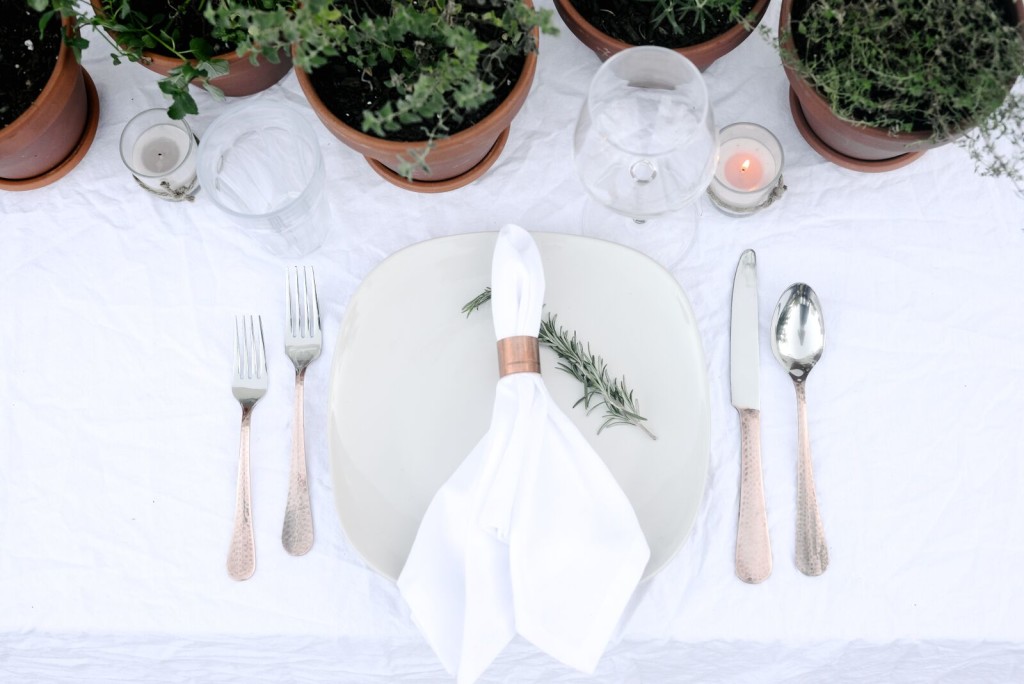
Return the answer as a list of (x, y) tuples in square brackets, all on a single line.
[(243, 78), (851, 145), (454, 161), (701, 54), (55, 132)]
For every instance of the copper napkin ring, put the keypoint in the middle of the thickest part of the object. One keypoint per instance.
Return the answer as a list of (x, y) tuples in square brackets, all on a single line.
[(519, 354)]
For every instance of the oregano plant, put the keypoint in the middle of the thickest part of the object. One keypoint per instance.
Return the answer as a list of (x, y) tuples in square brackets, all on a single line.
[(175, 29)]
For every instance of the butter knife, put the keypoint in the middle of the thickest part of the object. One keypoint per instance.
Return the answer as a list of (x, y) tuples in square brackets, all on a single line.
[(753, 548)]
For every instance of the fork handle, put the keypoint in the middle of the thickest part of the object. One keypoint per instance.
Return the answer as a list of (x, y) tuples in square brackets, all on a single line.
[(297, 533), (811, 550), (242, 552)]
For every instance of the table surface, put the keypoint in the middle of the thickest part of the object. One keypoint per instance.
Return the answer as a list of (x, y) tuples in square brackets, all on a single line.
[(119, 434)]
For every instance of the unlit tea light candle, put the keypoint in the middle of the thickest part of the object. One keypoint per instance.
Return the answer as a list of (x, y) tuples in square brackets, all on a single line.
[(161, 154), (749, 172)]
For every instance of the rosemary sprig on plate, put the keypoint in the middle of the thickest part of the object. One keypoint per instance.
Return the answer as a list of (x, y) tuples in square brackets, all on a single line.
[(576, 359), (478, 301)]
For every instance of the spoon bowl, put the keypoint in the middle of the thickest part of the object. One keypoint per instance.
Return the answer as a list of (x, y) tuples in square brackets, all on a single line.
[(798, 331), (798, 339)]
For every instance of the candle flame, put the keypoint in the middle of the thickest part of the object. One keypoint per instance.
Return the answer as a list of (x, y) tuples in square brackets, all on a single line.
[(745, 165)]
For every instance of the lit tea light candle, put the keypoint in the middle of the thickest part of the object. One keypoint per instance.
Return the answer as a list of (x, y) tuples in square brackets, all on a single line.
[(744, 171), (161, 154), (749, 172)]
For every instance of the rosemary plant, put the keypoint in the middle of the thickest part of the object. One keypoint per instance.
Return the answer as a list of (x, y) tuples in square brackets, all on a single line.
[(576, 359), (676, 13), (668, 23)]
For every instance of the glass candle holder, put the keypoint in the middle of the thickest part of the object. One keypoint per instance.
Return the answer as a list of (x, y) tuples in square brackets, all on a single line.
[(161, 154), (748, 177)]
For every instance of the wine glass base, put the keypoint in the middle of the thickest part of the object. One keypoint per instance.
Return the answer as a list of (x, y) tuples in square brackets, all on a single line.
[(666, 238)]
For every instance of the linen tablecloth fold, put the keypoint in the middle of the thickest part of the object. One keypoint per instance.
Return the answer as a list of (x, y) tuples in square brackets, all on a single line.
[(531, 534)]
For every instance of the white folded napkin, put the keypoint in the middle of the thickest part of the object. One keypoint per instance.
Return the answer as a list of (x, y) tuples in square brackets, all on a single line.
[(531, 534)]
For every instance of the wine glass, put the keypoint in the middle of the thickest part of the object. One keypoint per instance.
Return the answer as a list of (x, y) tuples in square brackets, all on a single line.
[(645, 144)]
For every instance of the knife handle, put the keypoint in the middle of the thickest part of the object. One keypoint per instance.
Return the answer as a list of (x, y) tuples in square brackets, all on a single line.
[(753, 548)]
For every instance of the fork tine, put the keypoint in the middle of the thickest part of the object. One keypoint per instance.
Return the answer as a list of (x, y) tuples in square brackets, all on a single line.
[(303, 295), (303, 309), (246, 347), (238, 349), (314, 324), (291, 293), (261, 354)]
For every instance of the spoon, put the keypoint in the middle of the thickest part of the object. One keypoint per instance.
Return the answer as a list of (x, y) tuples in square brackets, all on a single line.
[(798, 338)]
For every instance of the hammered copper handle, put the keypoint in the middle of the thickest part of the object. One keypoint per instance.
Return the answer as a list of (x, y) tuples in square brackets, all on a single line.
[(242, 551), (811, 551), (297, 533), (753, 547)]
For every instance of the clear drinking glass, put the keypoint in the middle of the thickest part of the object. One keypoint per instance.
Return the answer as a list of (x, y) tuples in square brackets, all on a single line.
[(646, 142), (261, 164)]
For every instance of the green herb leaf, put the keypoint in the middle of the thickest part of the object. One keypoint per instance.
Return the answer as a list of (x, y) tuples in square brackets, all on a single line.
[(600, 389)]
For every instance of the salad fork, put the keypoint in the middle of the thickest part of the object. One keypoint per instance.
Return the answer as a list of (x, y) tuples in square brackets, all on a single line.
[(249, 385), (302, 342)]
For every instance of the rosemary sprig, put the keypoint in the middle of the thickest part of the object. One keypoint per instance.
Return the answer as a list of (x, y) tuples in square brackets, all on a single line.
[(576, 359), (478, 301)]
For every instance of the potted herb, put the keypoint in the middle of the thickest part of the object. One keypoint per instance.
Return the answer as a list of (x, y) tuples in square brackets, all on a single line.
[(173, 38), (875, 83), (700, 30), (49, 109), (424, 89)]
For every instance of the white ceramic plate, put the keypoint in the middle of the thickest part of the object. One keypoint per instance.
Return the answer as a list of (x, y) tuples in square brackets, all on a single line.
[(412, 384)]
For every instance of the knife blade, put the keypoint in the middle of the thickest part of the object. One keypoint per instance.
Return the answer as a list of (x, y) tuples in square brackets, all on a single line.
[(753, 547)]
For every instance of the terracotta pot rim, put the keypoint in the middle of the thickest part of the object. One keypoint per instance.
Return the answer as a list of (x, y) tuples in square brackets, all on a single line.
[(231, 56), (494, 120), (804, 90), (446, 184), (736, 33), (77, 153), (838, 158)]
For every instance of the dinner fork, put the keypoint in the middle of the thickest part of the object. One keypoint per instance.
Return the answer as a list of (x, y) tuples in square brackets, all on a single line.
[(302, 341), (248, 386)]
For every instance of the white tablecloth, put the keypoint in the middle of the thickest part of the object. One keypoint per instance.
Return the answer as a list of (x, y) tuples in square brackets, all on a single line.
[(119, 434)]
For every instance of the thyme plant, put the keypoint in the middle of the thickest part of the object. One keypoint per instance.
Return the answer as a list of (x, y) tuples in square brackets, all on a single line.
[(440, 59), (907, 65)]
